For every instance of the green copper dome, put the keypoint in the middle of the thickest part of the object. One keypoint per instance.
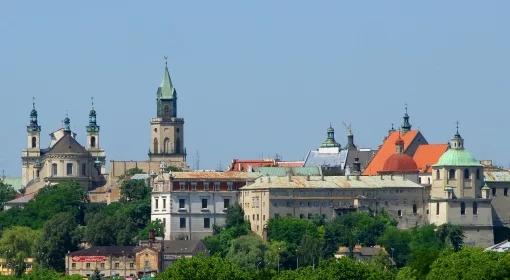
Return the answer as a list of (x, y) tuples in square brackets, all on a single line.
[(457, 157)]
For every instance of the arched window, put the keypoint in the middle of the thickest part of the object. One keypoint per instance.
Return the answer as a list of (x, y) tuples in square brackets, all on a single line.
[(478, 174), (166, 146), (438, 175), (34, 142), (178, 145), (54, 169), (415, 209), (155, 150), (463, 208), (466, 173), (451, 174), (437, 208), (475, 208), (93, 142)]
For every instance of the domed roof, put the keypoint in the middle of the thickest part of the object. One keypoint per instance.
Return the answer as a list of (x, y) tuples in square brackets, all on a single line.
[(457, 157), (399, 163)]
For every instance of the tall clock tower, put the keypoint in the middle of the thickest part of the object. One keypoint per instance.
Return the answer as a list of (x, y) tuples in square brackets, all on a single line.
[(167, 130)]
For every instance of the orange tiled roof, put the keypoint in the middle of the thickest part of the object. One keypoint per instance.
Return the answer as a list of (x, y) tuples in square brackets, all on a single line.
[(387, 149), (427, 155)]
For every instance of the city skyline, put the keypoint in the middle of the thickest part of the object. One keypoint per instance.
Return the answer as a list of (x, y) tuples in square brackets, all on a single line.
[(269, 84)]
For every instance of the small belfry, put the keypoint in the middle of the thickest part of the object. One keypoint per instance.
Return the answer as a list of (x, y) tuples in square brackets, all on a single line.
[(93, 144), (167, 130), (33, 130), (406, 125)]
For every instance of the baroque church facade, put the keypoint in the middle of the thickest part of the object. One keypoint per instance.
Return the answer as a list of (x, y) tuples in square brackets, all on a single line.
[(65, 158)]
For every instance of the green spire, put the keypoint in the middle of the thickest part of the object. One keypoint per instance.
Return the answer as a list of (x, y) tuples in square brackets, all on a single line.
[(406, 126), (330, 141), (166, 90)]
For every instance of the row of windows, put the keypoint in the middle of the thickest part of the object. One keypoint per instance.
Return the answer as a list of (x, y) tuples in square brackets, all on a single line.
[(102, 265), (207, 222), (505, 191), (452, 172), (205, 203), (69, 169), (462, 208), (193, 185)]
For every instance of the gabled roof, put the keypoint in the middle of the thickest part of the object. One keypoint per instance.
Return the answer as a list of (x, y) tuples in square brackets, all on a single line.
[(388, 148), (67, 145), (427, 155)]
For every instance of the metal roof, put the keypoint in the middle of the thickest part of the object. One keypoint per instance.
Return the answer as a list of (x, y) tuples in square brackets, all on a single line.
[(285, 171), (331, 182), (105, 251), (314, 158)]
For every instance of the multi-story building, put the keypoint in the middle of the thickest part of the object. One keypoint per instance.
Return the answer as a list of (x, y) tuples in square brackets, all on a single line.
[(458, 197), (5, 270), (329, 196), (64, 159), (190, 203)]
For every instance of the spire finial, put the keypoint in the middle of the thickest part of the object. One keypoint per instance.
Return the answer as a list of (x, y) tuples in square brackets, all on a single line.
[(92, 101), (166, 60), (33, 102), (405, 107), (457, 127)]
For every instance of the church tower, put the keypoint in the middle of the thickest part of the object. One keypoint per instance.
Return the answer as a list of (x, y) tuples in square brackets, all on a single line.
[(167, 130), (34, 132), (93, 144)]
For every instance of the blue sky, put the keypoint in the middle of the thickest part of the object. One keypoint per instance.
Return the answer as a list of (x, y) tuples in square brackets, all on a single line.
[(257, 77)]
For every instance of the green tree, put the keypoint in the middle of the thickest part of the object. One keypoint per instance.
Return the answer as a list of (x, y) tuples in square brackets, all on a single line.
[(132, 190), (397, 244), (204, 268), (66, 197), (7, 192), (58, 237), (451, 235), (235, 226), (247, 251), (17, 244), (469, 263), (96, 275), (157, 226), (290, 230)]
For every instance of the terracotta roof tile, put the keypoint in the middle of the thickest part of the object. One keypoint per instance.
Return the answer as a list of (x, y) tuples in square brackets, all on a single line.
[(387, 149), (427, 155)]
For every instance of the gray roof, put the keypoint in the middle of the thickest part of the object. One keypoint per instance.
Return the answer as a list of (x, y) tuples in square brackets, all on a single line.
[(364, 156), (284, 171), (183, 246), (314, 158), (500, 247), (105, 251), (67, 145)]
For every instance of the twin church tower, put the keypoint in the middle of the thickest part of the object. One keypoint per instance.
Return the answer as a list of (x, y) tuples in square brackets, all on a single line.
[(66, 158)]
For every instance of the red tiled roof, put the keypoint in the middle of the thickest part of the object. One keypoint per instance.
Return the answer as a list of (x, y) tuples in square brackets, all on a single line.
[(400, 163), (246, 164), (427, 155), (387, 149)]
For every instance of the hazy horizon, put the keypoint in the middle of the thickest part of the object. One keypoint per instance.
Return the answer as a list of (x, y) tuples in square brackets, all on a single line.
[(256, 78)]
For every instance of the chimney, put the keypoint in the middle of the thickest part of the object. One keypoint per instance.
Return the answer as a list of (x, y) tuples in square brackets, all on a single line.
[(152, 235)]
